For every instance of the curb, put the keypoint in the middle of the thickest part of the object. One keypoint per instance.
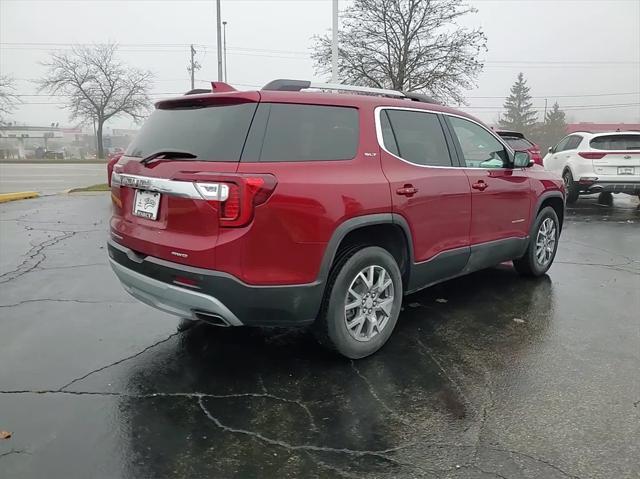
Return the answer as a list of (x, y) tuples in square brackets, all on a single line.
[(21, 195)]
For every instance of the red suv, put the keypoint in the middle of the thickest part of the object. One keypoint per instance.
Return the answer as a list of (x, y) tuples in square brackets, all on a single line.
[(287, 207)]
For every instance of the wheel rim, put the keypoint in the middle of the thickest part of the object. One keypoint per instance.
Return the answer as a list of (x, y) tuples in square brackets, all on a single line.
[(546, 242), (368, 303), (567, 180)]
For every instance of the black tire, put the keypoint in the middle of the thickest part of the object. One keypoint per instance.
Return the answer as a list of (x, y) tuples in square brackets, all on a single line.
[(528, 264), (571, 187), (330, 327), (605, 198)]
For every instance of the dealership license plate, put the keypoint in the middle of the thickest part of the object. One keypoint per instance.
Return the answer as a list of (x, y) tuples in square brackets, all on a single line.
[(146, 204), (625, 170)]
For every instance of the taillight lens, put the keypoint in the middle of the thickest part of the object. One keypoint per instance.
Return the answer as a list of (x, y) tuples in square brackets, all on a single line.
[(230, 210), (245, 193), (591, 155)]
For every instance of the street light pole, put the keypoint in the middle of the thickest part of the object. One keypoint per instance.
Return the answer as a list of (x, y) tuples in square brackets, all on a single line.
[(219, 35), (334, 44), (224, 42)]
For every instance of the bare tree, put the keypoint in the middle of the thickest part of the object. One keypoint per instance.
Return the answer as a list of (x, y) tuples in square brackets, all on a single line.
[(8, 99), (97, 85), (409, 45)]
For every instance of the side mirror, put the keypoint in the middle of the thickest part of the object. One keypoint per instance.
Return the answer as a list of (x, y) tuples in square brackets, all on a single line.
[(521, 159), (551, 150)]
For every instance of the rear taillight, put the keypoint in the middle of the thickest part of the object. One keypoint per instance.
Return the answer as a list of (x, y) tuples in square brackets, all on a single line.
[(236, 196), (230, 210), (591, 155)]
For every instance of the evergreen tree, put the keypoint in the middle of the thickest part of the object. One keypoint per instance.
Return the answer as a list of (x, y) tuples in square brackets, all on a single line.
[(555, 125), (520, 115)]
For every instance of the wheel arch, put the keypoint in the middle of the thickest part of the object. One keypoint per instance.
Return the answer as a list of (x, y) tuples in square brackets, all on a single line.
[(555, 200), (387, 230)]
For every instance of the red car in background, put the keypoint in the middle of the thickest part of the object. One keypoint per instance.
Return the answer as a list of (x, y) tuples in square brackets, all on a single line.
[(519, 142)]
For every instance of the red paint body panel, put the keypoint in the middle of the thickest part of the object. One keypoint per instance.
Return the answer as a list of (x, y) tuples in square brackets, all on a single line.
[(439, 214), (502, 209)]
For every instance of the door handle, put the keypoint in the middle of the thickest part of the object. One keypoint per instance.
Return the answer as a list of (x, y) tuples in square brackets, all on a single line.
[(479, 185), (407, 190)]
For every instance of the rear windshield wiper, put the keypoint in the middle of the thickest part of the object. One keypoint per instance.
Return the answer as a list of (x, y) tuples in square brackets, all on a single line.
[(167, 154)]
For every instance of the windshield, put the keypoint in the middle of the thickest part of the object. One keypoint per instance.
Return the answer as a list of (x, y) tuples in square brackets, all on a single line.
[(213, 133)]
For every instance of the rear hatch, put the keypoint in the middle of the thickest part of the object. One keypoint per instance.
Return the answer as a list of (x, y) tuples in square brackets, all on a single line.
[(176, 185), (615, 155)]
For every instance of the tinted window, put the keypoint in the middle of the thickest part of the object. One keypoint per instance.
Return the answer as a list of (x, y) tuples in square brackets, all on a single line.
[(573, 142), (480, 148), (562, 145), (213, 133), (616, 142), (388, 138), (517, 143), (419, 138), (310, 132)]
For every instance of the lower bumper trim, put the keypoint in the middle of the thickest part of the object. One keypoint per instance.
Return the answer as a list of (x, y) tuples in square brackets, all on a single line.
[(172, 299)]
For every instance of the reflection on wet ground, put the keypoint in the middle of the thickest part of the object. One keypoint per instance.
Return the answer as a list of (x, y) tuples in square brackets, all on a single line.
[(490, 375)]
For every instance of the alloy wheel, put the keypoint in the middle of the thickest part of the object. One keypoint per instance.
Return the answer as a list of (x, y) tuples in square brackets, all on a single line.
[(368, 303), (545, 242)]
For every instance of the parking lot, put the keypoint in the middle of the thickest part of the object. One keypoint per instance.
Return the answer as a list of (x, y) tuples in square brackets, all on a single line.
[(489, 375), (49, 178)]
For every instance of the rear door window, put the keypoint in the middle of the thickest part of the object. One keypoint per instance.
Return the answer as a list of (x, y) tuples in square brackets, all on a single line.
[(297, 132), (212, 133), (616, 142), (418, 136)]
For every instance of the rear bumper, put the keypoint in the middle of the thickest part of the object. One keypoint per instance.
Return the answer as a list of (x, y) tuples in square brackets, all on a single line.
[(218, 294), (629, 187)]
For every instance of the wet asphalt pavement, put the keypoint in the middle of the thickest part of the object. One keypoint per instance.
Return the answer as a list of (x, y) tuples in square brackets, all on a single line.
[(488, 376)]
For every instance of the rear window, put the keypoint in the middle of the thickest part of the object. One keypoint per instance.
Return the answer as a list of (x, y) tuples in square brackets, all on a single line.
[(309, 132), (212, 133), (616, 142), (517, 143)]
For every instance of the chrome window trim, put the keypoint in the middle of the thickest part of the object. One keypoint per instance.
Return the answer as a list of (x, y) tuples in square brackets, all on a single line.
[(181, 189), (378, 123)]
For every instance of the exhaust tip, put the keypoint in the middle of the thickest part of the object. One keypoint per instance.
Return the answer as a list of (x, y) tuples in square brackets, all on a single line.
[(211, 318)]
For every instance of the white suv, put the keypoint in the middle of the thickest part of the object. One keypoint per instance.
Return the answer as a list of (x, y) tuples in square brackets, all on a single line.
[(597, 163)]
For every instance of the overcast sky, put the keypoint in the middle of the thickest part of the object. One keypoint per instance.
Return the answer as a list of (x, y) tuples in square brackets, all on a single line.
[(584, 54)]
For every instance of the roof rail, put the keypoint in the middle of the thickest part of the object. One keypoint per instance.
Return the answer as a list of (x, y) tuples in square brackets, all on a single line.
[(297, 85), (421, 97)]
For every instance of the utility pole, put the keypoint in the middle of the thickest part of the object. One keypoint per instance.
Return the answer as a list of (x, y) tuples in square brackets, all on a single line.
[(224, 42), (545, 111), (219, 43), (334, 44), (192, 67)]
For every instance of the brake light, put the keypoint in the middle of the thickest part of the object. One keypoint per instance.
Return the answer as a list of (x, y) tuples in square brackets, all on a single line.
[(245, 193), (591, 155), (231, 208)]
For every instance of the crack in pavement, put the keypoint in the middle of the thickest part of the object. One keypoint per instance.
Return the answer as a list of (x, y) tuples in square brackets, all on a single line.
[(295, 447), (119, 361), (71, 266), (14, 451), (34, 257), (375, 396), (61, 300), (300, 447)]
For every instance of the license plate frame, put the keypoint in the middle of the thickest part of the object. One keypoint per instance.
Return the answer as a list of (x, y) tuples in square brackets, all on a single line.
[(146, 204), (625, 170)]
